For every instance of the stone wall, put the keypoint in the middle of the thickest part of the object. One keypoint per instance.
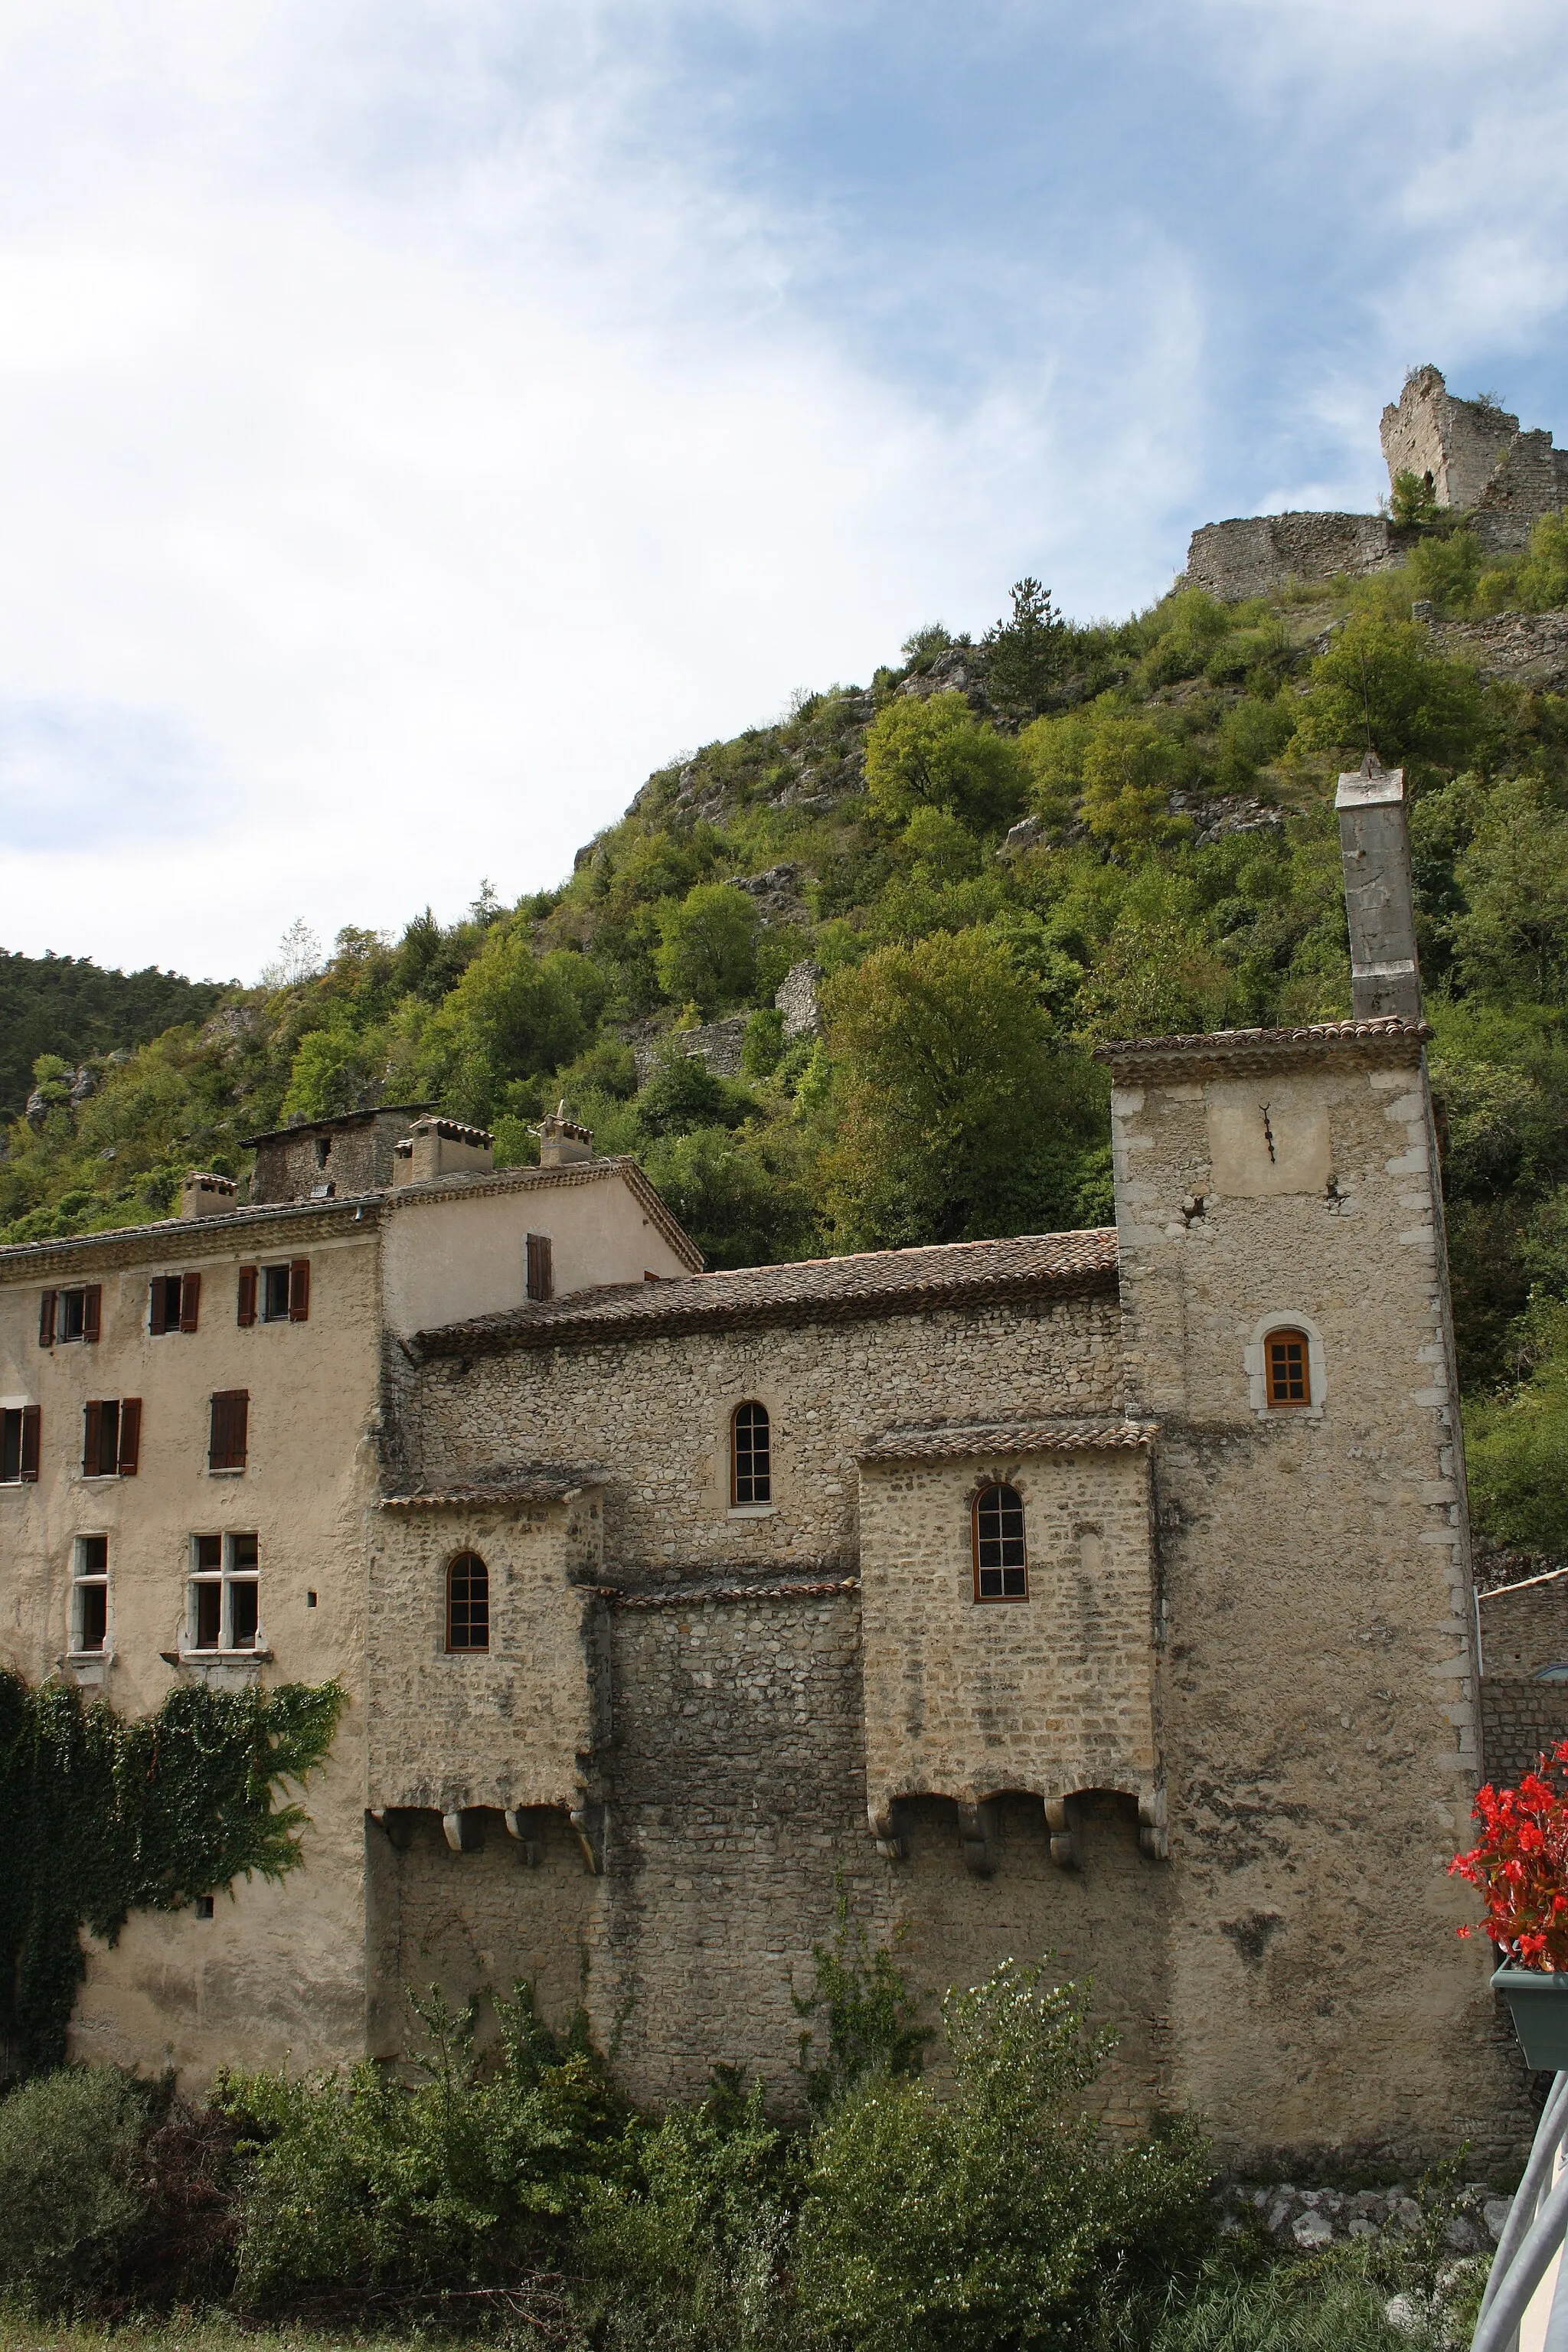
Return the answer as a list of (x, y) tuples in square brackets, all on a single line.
[(1457, 444), (1522, 1721), (1321, 1688), (1256, 555), (1524, 1626)]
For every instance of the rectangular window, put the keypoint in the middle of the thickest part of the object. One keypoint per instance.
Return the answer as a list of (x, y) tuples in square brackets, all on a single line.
[(18, 1444), (539, 1280), (176, 1302), (70, 1315), (89, 1595), (112, 1437), (1289, 1380), (229, 1438), (223, 1609), (282, 1292)]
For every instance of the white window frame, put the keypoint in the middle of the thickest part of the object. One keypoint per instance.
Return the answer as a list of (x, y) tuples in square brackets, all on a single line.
[(84, 1580), (226, 1576)]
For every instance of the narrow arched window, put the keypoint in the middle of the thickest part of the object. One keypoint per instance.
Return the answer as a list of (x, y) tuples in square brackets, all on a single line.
[(1287, 1365), (1001, 1554), (467, 1603), (750, 1455)]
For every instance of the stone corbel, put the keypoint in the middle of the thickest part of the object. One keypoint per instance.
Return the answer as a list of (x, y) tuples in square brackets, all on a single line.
[(1061, 1819), (891, 1843), (396, 1821), (463, 1830), (520, 1825), (975, 1828), (1153, 1835), (590, 1822)]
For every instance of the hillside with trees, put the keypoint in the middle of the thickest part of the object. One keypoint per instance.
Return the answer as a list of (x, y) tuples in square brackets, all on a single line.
[(996, 854)]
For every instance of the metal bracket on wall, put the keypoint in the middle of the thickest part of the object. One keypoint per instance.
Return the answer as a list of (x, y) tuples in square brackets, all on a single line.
[(975, 1826)]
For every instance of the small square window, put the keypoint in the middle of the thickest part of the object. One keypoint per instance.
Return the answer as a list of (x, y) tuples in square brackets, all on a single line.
[(204, 1906)]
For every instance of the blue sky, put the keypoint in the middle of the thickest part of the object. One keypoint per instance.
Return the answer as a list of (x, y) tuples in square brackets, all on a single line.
[(419, 419)]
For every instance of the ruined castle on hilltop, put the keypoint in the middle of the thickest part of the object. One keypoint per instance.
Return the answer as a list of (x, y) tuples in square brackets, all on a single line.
[(1471, 456), (1105, 1595)]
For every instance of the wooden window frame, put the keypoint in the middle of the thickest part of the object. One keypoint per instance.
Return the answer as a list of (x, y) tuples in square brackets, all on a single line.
[(235, 1458), (20, 1433), (1004, 1568), (85, 1580), (459, 1559), (752, 1478), (53, 1315), (175, 1304), (112, 1437), (1286, 1334), (538, 1268)]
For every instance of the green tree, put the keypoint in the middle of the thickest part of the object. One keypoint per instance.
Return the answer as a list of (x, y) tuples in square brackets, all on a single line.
[(1513, 938), (1414, 503), (739, 1197), (1023, 655), (934, 753), (1380, 683), (956, 1118), (1544, 575), (513, 1015), (708, 946), (1131, 767)]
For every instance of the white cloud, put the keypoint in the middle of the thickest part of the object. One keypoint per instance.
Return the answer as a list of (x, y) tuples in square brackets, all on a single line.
[(397, 433)]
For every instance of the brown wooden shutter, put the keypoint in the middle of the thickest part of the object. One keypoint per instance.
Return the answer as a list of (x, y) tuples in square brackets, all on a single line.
[(246, 1294), (299, 1290), (230, 1418), (158, 1312), (130, 1436), (92, 1310), (190, 1300), (47, 1318), (539, 1274), (92, 1439), (30, 1421)]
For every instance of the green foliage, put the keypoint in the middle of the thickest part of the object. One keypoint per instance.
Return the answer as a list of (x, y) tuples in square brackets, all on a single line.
[(683, 1093), (473, 2179), (1380, 685), (106, 1816), (73, 1009), (993, 2218), (708, 946), (936, 754), (956, 1116), (1542, 583), (864, 1998), (1414, 502), (1516, 1444), (740, 1197), (73, 2195), (1023, 654)]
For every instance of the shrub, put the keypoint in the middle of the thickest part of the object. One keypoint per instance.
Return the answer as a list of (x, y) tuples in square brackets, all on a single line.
[(72, 2194), (996, 2219), (936, 754), (1381, 679), (1543, 581), (708, 951)]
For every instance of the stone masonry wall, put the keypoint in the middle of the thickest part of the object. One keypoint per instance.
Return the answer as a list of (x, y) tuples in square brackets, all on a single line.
[(655, 1412), (1524, 1626), (1322, 1684), (1255, 555), (1052, 1694), (1521, 1722)]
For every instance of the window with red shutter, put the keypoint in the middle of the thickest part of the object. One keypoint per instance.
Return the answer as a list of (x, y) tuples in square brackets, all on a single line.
[(158, 1305), (190, 1300), (130, 1436), (100, 1438), (11, 1446), (247, 1296), (299, 1290), (92, 1311), (46, 1319)]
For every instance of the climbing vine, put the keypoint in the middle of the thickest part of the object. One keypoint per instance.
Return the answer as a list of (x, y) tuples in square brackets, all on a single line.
[(104, 1816)]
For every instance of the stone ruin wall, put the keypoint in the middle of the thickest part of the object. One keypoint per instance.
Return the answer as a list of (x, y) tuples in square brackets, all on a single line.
[(1477, 460)]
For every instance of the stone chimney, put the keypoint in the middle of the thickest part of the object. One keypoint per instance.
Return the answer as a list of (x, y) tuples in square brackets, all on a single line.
[(204, 1194), (1380, 894), (562, 1142), (442, 1147)]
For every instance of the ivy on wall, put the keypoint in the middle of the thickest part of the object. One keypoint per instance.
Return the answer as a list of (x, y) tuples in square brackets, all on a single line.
[(100, 1817)]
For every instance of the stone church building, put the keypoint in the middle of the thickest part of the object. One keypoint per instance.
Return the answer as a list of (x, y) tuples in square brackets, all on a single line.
[(1101, 1594)]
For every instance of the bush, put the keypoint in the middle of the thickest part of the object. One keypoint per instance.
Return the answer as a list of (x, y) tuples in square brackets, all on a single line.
[(708, 951), (1543, 581), (72, 2194), (1380, 679), (937, 754), (993, 2219)]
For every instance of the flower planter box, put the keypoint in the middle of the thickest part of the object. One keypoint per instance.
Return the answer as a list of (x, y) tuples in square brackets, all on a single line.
[(1540, 2005)]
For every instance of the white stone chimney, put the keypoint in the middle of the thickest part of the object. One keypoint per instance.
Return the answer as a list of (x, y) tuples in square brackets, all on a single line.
[(202, 1194), (562, 1142), (442, 1147)]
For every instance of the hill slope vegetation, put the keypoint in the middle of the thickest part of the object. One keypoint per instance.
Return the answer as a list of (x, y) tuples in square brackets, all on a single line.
[(996, 854)]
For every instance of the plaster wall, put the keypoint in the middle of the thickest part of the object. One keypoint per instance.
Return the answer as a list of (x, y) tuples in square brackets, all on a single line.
[(455, 1248), (278, 1970), (1321, 1698)]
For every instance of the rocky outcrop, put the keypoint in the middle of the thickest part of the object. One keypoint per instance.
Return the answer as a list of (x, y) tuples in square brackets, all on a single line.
[(1520, 649)]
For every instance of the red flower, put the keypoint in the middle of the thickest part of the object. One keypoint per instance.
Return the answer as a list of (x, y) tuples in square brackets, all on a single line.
[(1520, 1866)]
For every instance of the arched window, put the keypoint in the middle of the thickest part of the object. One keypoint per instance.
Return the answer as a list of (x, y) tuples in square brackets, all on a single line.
[(750, 1455), (467, 1603), (1000, 1558), (1287, 1368)]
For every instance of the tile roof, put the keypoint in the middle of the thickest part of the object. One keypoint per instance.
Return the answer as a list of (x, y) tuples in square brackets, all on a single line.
[(826, 1289), (955, 1439), (1391, 1038)]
